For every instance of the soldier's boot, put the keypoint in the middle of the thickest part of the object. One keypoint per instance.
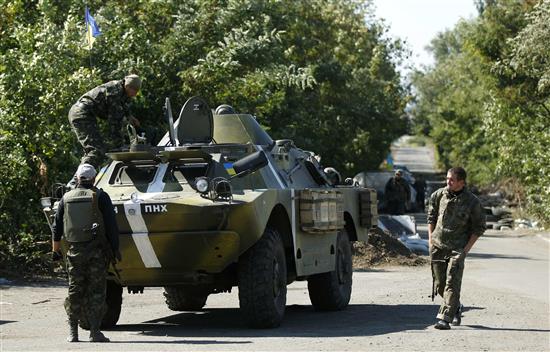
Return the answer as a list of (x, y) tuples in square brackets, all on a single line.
[(97, 336), (442, 325), (457, 320), (73, 331)]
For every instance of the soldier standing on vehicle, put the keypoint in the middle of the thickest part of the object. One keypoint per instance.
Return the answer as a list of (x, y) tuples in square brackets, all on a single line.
[(86, 218), (109, 101), (455, 222), (397, 193)]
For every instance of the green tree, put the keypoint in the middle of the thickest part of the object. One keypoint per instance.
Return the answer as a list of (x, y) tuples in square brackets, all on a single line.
[(519, 116), (486, 100), (320, 72), (451, 101)]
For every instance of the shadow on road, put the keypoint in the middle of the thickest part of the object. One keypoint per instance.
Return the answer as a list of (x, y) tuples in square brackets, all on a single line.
[(2, 322), (187, 342), (497, 256), (300, 321), (482, 327)]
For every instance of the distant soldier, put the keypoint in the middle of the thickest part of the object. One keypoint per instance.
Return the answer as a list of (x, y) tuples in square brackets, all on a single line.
[(109, 101), (397, 193), (86, 218), (455, 222)]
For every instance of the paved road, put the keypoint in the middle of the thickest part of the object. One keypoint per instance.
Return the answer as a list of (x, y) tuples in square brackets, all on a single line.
[(505, 291), (418, 159)]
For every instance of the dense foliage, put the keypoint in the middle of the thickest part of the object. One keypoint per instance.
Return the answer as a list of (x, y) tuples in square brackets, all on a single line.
[(486, 101), (320, 72)]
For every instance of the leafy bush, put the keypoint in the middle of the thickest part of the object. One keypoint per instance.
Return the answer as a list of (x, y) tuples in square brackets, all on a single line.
[(320, 72), (485, 102)]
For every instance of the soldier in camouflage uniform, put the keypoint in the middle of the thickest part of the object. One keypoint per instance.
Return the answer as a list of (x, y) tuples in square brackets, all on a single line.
[(109, 101), (397, 194), (455, 222), (83, 216)]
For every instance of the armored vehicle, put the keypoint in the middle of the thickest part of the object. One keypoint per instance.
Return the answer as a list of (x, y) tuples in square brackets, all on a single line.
[(217, 204)]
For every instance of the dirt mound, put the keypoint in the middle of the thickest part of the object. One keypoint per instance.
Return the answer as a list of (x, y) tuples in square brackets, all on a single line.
[(383, 249)]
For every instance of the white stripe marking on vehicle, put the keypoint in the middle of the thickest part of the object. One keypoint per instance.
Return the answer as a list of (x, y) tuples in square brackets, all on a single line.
[(157, 185), (140, 235)]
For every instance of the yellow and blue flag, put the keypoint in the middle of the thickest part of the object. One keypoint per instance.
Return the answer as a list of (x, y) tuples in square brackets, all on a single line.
[(92, 29), (229, 168)]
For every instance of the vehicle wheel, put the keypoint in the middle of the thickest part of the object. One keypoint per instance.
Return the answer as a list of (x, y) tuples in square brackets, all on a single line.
[(332, 290), (112, 307), (262, 282), (180, 298)]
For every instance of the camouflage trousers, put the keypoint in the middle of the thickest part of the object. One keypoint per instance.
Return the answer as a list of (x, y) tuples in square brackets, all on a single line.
[(447, 270), (87, 132), (86, 128), (87, 271)]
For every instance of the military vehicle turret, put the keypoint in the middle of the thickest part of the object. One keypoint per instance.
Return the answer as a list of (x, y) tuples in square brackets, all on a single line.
[(218, 204)]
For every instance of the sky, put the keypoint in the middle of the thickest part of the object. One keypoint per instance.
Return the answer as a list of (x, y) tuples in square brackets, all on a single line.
[(418, 21)]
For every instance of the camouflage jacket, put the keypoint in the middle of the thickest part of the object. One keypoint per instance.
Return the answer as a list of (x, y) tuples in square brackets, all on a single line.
[(107, 101), (397, 189), (455, 218)]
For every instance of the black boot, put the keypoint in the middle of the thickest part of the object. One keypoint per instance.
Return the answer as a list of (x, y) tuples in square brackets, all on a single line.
[(97, 336), (73, 331), (442, 325)]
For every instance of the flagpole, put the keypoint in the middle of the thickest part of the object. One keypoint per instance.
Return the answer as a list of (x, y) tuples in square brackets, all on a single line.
[(92, 31), (88, 34)]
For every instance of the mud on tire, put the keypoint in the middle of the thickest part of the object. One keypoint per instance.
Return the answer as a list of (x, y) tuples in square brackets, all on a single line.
[(332, 291), (262, 282), (181, 298)]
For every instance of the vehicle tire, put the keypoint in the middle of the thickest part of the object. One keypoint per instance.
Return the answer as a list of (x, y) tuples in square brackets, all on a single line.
[(112, 307), (113, 299), (262, 281), (185, 298), (332, 290)]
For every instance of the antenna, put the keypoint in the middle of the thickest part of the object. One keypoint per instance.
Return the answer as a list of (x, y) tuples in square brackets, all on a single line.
[(171, 130)]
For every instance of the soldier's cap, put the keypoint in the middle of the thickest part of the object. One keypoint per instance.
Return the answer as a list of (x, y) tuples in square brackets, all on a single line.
[(399, 172), (85, 172), (132, 81)]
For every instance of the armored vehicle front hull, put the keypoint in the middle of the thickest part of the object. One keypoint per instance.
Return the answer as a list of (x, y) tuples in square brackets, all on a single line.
[(219, 204)]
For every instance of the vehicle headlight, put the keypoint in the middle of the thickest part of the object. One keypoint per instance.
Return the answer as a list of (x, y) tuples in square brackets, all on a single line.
[(201, 184), (221, 189)]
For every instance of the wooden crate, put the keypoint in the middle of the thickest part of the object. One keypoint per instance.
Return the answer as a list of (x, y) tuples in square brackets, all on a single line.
[(321, 210), (368, 195), (368, 208)]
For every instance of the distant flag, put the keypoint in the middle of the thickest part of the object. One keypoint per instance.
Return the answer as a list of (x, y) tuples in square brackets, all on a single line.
[(92, 29)]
